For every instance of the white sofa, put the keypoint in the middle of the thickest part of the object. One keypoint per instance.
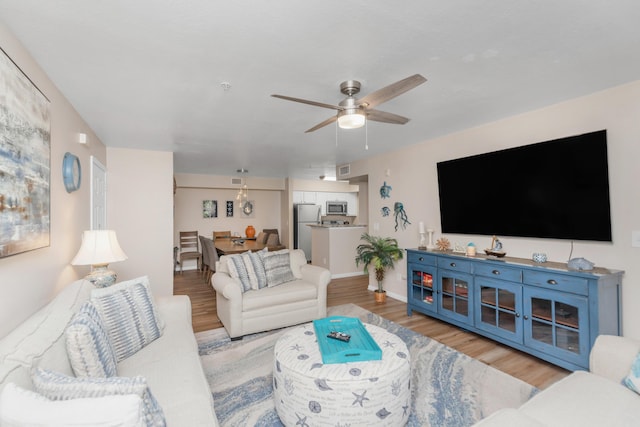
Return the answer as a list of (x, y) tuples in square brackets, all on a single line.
[(298, 301), (170, 364), (594, 398)]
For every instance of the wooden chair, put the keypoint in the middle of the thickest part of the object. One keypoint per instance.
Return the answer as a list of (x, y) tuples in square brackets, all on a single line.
[(206, 257), (208, 247), (221, 235), (189, 248)]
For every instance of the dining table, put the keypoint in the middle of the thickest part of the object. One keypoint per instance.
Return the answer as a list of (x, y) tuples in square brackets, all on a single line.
[(237, 246)]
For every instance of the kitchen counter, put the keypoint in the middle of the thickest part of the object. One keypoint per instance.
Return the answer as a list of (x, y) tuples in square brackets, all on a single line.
[(333, 246)]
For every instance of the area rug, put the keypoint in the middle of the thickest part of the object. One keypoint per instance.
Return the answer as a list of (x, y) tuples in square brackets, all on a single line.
[(448, 388)]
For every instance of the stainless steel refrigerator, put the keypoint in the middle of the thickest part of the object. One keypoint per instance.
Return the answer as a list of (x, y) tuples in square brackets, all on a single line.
[(304, 214)]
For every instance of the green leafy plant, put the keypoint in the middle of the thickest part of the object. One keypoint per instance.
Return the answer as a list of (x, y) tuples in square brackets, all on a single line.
[(379, 252)]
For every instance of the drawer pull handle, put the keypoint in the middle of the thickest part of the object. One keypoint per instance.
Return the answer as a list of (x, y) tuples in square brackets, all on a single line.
[(496, 272), (552, 282), (526, 317), (517, 314), (420, 259), (453, 264)]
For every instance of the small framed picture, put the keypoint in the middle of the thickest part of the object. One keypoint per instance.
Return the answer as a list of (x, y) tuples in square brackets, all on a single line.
[(229, 208), (209, 209)]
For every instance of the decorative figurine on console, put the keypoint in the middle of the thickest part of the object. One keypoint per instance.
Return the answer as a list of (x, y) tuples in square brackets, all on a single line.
[(496, 248), (443, 244)]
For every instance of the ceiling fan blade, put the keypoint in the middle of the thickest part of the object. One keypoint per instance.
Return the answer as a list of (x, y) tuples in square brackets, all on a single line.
[(304, 101), (384, 117), (323, 124), (391, 91)]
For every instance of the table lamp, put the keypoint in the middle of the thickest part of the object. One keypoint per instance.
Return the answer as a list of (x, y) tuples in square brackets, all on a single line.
[(98, 249)]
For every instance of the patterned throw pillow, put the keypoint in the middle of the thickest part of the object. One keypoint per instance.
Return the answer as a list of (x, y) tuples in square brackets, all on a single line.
[(88, 346), (249, 269), (56, 386), (277, 266), (129, 315), (632, 380), (20, 407)]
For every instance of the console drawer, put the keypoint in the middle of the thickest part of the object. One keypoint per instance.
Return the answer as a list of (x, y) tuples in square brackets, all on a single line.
[(558, 282), (420, 258), (499, 272), (454, 264)]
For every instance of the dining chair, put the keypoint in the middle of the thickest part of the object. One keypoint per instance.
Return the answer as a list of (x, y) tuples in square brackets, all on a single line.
[(222, 234), (213, 258), (206, 257), (189, 248)]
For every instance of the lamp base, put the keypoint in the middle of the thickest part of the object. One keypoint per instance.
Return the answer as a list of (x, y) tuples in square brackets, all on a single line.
[(101, 276)]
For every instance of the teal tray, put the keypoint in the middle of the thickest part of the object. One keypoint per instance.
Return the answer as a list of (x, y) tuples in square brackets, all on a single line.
[(361, 347)]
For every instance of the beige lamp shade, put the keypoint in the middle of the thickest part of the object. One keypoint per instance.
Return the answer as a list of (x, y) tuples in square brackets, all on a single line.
[(99, 247)]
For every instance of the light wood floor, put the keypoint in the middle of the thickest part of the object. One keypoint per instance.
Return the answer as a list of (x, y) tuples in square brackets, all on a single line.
[(354, 290)]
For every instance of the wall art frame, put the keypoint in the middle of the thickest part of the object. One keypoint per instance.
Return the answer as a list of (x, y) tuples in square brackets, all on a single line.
[(25, 162), (209, 209)]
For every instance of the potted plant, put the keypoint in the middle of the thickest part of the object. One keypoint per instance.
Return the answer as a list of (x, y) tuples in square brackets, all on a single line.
[(381, 253)]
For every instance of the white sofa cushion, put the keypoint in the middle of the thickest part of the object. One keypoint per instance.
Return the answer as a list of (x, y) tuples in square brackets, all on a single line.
[(55, 386), (290, 292), (20, 407), (583, 399), (129, 314)]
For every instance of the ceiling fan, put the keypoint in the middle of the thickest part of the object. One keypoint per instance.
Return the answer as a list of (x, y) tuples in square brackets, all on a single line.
[(352, 112)]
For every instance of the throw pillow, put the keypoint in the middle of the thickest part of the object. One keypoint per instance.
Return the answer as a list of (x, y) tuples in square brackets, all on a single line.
[(277, 266), (20, 407), (238, 270), (88, 346), (129, 314), (632, 381), (56, 386), (249, 269)]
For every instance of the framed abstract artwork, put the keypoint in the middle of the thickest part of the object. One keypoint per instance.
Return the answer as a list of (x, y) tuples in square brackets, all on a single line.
[(209, 209), (25, 162), (229, 208)]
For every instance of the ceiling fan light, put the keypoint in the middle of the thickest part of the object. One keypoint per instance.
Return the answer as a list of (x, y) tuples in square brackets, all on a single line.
[(351, 119)]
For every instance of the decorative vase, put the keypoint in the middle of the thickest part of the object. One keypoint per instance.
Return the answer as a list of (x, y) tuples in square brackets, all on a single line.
[(250, 232)]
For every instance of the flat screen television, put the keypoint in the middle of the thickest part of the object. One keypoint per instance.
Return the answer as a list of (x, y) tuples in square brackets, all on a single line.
[(555, 189)]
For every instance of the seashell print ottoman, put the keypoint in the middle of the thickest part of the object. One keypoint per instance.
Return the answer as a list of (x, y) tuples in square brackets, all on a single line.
[(309, 393)]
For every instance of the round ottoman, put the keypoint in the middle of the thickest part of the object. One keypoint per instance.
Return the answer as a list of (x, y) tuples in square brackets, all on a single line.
[(310, 393)]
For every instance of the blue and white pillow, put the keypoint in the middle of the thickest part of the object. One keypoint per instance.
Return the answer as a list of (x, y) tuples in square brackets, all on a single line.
[(632, 380), (248, 268), (88, 345), (129, 314), (56, 386), (277, 266)]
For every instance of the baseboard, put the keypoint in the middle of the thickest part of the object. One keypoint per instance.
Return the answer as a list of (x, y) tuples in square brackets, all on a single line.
[(401, 298), (343, 275)]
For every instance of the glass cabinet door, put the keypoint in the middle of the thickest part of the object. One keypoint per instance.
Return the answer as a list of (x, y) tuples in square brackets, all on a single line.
[(557, 323), (499, 308), (422, 290), (455, 295)]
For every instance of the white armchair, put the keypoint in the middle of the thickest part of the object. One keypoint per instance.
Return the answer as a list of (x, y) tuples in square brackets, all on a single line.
[(301, 300)]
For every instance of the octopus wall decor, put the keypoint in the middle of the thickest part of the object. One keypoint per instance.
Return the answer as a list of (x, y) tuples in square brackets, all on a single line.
[(400, 214)]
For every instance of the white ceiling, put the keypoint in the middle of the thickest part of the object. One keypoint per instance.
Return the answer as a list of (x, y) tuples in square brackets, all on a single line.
[(147, 74)]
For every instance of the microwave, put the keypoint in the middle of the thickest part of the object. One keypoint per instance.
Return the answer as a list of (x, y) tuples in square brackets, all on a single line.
[(336, 208)]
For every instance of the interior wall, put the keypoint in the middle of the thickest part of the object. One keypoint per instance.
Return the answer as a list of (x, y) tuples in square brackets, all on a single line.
[(188, 212), (29, 280), (139, 209), (413, 176)]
